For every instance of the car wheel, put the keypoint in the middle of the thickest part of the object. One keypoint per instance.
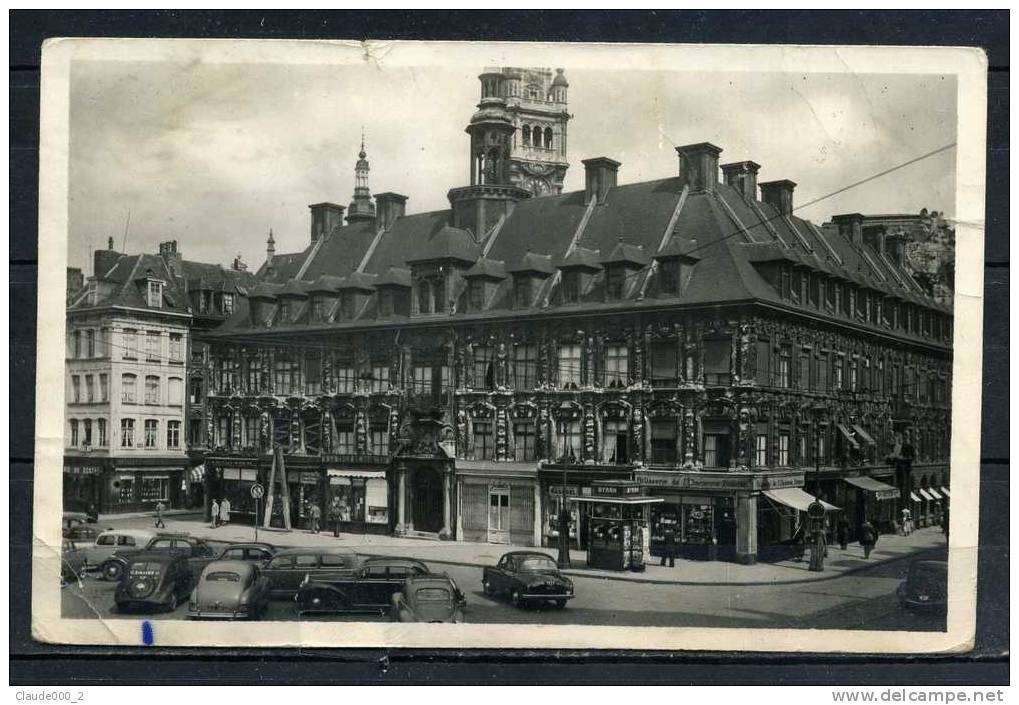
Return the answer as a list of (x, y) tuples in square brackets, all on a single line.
[(560, 604), (517, 598), (112, 570), (486, 587)]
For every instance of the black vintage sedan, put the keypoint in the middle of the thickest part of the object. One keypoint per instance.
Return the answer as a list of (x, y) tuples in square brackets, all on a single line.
[(288, 569), (429, 598), (154, 580), (925, 588), (370, 589), (258, 553), (527, 577)]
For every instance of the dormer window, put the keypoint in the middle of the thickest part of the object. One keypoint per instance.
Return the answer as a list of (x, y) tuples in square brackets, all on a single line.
[(284, 311), (155, 293), (347, 305), (386, 303), (424, 296), (318, 309), (615, 282), (228, 303), (571, 286), (476, 294), (523, 291)]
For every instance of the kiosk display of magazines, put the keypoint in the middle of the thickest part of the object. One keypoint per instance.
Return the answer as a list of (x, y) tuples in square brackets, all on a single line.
[(618, 525)]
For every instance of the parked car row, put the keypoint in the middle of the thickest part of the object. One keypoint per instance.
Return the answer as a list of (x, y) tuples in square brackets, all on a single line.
[(160, 570)]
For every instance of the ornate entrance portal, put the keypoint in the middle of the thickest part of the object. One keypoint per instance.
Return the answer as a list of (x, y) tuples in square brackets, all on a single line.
[(426, 502)]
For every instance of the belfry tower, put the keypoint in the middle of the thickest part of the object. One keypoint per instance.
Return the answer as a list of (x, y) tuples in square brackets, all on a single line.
[(361, 208), (478, 208), (536, 104)]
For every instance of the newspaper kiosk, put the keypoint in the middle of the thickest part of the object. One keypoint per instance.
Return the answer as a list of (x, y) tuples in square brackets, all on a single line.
[(618, 523)]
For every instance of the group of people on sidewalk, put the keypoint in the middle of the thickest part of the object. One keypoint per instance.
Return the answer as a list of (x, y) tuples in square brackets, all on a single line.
[(335, 517), (220, 512)]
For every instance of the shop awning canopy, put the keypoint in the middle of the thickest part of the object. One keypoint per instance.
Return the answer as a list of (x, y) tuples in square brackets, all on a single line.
[(367, 474), (619, 500), (944, 491), (915, 497), (796, 498), (869, 484), (926, 495), (863, 435), (197, 473), (933, 493)]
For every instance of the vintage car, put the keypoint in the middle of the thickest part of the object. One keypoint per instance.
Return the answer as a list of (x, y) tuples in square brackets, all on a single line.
[(112, 540), (154, 580), (72, 563), (289, 567), (195, 550), (925, 588), (527, 577), (82, 533), (429, 598), (369, 589), (258, 553), (229, 590)]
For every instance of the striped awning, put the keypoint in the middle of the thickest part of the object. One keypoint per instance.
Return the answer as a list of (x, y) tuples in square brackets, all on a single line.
[(926, 495), (915, 497), (944, 491), (197, 474), (934, 493), (880, 489)]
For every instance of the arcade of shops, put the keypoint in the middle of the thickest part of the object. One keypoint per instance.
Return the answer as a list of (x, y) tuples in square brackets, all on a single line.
[(118, 486), (741, 516)]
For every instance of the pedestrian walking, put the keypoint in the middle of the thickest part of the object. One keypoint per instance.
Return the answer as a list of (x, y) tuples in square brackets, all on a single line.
[(224, 511), (316, 517), (868, 537), (842, 532), (334, 516), (669, 548), (160, 507), (215, 513), (907, 521)]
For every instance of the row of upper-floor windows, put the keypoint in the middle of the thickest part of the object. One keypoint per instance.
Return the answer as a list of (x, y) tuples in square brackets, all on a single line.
[(847, 300), (89, 433), (669, 363), (536, 136), (147, 389), (127, 344), (213, 302)]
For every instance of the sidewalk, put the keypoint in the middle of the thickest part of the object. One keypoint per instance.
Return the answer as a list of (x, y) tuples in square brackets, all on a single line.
[(686, 572)]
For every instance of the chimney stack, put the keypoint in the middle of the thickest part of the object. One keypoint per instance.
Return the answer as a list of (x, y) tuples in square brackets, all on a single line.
[(172, 258), (103, 260), (388, 207), (324, 217), (850, 227), (698, 165), (742, 176), (599, 177), (779, 195)]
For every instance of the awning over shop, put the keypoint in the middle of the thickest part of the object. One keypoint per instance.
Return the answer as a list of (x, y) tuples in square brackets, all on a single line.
[(944, 491), (863, 435), (926, 495), (362, 474), (619, 500), (869, 484), (796, 498), (848, 435), (197, 473), (915, 497), (934, 493)]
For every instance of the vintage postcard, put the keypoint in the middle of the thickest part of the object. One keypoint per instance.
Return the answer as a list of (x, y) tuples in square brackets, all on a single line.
[(410, 344)]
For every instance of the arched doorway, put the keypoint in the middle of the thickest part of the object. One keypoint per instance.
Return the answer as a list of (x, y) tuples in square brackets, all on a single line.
[(426, 503)]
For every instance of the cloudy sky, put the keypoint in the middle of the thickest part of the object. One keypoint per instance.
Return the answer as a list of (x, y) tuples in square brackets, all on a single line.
[(213, 155)]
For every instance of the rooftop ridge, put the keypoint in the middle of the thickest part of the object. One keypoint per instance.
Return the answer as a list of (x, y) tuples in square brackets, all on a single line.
[(732, 214)]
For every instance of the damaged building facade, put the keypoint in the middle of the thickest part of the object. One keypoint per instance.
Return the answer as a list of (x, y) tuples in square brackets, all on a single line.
[(461, 373)]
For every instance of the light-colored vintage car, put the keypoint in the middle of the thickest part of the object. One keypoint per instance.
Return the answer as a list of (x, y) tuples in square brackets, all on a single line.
[(429, 598), (229, 590), (112, 540)]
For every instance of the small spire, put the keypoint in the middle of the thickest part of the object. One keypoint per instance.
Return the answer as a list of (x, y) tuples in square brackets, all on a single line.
[(362, 153), (271, 241)]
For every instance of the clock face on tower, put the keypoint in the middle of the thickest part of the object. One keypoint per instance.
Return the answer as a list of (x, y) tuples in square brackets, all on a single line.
[(536, 186)]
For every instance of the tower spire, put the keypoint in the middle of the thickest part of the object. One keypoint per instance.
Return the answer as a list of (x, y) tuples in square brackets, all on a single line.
[(270, 249), (361, 208)]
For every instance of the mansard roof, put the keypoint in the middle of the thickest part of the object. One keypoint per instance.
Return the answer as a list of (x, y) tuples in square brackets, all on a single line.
[(729, 240), (487, 268)]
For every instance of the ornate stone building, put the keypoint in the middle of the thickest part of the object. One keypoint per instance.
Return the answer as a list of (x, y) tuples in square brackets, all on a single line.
[(462, 372)]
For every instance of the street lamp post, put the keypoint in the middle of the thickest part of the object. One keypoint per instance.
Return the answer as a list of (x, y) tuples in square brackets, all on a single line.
[(816, 510), (563, 561)]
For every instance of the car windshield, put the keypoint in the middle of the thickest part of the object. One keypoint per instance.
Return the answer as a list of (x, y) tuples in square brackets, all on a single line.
[(534, 563), (432, 594), (222, 576)]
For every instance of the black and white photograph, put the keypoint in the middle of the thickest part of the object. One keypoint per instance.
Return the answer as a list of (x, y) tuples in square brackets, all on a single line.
[(410, 343)]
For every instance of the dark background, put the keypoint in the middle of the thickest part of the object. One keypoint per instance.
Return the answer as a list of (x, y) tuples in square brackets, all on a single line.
[(37, 663)]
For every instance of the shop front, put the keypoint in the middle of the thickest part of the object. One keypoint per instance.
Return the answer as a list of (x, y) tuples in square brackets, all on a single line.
[(717, 515), (83, 483), (618, 519), (498, 502), (782, 522), (140, 489), (361, 496), (573, 483), (875, 501), (231, 479)]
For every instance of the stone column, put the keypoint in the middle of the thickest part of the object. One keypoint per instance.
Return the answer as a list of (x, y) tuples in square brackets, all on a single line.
[(746, 529), (401, 502), (459, 514), (446, 533), (537, 512)]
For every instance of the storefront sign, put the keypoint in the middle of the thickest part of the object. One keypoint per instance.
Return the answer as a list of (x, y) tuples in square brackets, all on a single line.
[(557, 491), (82, 470), (304, 478)]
